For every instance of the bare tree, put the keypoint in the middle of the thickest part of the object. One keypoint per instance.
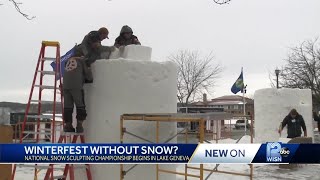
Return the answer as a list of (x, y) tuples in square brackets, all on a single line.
[(302, 69), (195, 74), (221, 2), (17, 7)]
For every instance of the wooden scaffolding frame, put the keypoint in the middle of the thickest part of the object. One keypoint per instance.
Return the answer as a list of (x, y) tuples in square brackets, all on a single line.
[(188, 118)]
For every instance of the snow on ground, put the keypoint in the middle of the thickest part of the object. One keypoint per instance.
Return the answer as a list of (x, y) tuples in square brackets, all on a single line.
[(261, 171), (27, 173)]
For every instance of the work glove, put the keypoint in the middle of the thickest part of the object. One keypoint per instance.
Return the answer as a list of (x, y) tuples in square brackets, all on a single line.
[(112, 48)]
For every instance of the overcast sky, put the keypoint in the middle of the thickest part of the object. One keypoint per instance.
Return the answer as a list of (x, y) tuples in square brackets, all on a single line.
[(252, 34)]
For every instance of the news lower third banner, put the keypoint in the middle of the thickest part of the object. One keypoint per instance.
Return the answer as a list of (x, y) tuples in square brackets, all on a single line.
[(268, 153)]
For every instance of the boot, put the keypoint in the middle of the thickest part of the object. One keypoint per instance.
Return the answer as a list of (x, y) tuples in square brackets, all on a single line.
[(68, 128), (79, 127)]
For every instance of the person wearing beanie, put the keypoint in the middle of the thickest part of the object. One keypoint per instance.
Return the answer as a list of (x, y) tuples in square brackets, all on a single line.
[(126, 37), (295, 122), (90, 46)]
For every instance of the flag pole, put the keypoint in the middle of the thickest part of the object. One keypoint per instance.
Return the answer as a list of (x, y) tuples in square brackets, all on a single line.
[(244, 109), (244, 104)]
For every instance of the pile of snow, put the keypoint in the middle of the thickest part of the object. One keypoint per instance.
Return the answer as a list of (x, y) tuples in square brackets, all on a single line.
[(284, 140), (223, 141), (27, 173), (260, 172), (243, 140), (246, 139)]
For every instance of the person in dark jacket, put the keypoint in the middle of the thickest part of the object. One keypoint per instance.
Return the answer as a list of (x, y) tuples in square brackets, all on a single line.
[(316, 118), (126, 37), (76, 74), (295, 122), (90, 46)]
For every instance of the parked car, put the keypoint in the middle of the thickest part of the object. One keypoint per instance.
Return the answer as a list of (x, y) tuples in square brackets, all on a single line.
[(241, 124)]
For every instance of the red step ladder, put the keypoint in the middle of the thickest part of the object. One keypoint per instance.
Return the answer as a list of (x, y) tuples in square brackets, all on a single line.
[(43, 69), (40, 84), (69, 168)]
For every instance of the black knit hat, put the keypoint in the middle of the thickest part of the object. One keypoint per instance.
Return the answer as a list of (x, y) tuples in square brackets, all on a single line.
[(294, 112)]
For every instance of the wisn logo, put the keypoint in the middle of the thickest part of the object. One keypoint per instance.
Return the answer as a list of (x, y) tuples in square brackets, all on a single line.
[(275, 153)]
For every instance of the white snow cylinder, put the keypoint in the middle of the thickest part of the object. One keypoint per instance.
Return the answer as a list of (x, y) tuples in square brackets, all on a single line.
[(126, 86), (272, 105)]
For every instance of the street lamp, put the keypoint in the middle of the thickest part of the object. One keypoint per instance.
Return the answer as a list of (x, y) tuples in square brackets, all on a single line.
[(277, 71)]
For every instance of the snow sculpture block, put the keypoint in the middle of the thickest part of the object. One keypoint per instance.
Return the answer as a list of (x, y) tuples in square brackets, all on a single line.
[(136, 52), (4, 115), (130, 52), (125, 86), (115, 54), (272, 105)]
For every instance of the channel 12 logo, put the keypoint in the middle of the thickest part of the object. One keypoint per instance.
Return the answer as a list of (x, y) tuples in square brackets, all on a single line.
[(275, 152)]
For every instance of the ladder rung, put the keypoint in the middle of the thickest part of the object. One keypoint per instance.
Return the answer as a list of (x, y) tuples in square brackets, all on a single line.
[(34, 166), (75, 166), (48, 59), (51, 43), (45, 87), (44, 142), (79, 166), (31, 141), (47, 72), (45, 129), (41, 141), (35, 142), (44, 102), (59, 177), (34, 132), (56, 168), (43, 116), (70, 133)]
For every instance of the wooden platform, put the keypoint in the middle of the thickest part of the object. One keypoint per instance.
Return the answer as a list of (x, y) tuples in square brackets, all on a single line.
[(6, 133)]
